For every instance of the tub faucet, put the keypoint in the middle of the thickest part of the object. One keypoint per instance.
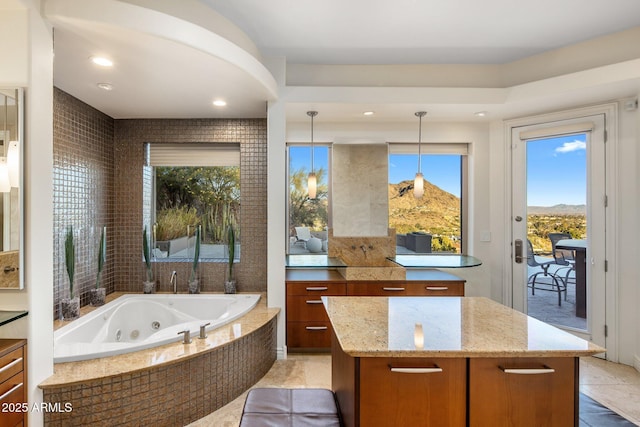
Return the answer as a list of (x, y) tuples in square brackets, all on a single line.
[(174, 281), (364, 248)]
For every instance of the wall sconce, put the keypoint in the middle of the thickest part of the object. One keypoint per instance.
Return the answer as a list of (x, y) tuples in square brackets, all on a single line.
[(13, 163), (418, 182), (5, 185), (312, 183)]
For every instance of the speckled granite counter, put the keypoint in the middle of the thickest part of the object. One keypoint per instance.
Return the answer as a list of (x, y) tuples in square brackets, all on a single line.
[(471, 361), (451, 327)]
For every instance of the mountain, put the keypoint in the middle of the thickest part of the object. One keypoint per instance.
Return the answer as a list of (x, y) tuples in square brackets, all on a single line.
[(560, 209), (438, 212)]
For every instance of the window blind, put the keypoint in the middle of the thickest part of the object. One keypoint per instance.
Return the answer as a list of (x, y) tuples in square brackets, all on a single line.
[(551, 131), (204, 154)]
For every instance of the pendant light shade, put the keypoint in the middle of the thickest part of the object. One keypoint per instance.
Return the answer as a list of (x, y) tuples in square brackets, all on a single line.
[(418, 186), (5, 186), (13, 163), (418, 182), (312, 184)]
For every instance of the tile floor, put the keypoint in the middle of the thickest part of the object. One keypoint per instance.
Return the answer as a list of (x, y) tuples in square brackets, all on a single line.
[(615, 386)]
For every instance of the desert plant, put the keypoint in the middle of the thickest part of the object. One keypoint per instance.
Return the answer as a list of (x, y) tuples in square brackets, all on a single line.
[(172, 223), (102, 254), (196, 255), (70, 258), (147, 254), (231, 242)]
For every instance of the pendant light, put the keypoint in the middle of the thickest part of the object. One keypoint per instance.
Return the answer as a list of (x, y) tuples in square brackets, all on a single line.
[(312, 182), (418, 182)]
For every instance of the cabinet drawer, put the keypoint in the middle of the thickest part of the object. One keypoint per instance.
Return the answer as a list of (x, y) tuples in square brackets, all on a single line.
[(538, 391), (309, 335), (12, 392), (316, 288), (406, 289), (11, 363), (303, 308), (412, 391)]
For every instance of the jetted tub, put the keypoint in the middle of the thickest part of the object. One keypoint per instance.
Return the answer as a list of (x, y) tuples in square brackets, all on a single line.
[(135, 322)]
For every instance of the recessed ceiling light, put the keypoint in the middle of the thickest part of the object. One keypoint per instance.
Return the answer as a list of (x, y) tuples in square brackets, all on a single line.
[(480, 114), (105, 86), (368, 113), (102, 61), (219, 103)]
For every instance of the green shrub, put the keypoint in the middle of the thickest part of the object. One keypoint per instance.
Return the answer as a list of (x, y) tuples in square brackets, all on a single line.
[(174, 222)]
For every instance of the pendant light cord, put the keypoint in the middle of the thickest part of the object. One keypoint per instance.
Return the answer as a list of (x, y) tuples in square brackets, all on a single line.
[(312, 114), (420, 114)]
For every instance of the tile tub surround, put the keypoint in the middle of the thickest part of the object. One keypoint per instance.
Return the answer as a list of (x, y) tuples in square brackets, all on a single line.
[(172, 384)]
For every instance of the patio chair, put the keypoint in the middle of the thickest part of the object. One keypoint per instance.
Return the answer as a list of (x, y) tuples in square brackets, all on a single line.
[(303, 234), (556, 284), (563, 257)]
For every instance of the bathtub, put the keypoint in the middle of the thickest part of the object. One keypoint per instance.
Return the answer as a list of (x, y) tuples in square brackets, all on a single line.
[(135, 322)]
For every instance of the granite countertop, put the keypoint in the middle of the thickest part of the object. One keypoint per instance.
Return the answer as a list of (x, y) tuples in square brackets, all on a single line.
[(74, 372), (451, 327), (7, 316)]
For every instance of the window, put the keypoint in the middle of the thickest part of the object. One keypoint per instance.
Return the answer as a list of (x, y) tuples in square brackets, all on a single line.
[(436, 222), (189, 186), (308, 218)]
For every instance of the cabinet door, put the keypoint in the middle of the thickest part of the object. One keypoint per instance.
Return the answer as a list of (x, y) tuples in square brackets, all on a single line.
[(537, 392), (402, 288), (315, 288), (316, 335), (412, 392)]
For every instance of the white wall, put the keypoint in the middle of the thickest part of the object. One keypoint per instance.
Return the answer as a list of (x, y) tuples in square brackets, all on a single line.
[(28, 63)]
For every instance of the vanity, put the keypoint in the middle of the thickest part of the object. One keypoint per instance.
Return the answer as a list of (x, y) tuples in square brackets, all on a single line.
[(469, 361), (310, 277)]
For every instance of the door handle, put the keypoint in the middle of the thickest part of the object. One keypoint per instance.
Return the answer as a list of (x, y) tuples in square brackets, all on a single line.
[(518, 247)]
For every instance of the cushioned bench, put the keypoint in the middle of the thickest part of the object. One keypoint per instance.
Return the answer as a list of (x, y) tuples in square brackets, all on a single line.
[(298, 407)]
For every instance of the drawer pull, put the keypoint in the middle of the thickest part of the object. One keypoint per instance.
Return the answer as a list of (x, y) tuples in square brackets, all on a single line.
[(528, 371), (10, 365), (317, 288), (314, 301), (316, 328), (393, 289), (432, 370), (437, 288), (7, 394)]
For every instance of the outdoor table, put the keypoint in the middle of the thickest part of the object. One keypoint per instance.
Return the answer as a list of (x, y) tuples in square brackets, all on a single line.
[(579, 246)]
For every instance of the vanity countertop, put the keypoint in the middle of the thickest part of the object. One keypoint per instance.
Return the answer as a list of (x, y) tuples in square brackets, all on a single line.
[(7, 316), (451, 327)]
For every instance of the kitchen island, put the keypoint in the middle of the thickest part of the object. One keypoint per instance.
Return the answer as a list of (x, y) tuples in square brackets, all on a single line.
[(450, 361)]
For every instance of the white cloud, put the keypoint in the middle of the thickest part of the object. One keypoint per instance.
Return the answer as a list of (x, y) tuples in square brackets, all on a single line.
[(568, 147)]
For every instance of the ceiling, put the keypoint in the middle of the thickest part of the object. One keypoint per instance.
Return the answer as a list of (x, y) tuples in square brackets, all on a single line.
[(161, 77)]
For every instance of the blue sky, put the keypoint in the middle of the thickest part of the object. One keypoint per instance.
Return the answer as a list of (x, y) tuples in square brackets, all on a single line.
[(556, 169)]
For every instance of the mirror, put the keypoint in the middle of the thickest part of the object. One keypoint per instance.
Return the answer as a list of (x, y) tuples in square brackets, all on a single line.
[(11, 158)]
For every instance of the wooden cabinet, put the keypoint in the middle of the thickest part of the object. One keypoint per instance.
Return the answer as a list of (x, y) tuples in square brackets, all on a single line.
[(308, 327), (416, 392), (523, 391), (405, 288), (13, 382)]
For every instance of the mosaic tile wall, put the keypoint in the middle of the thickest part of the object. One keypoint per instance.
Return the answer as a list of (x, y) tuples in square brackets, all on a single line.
[(83, 196), (168, 395), (129, 138), (98, 167)]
